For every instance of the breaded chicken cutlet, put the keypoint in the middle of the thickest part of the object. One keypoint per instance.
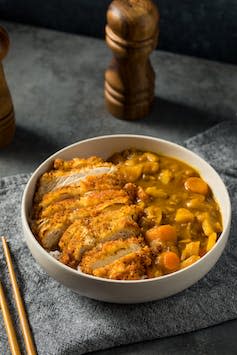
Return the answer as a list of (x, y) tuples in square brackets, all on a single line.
[(84, 234), (121, 259), (62, 175), (50, 230), (89, 199), (85, 204), (89, 183)]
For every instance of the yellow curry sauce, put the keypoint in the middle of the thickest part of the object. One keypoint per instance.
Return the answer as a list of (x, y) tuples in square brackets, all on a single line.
[(184, 219)]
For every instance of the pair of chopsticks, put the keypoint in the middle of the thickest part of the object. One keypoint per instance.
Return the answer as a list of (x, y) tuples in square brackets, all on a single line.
[(29, 343)]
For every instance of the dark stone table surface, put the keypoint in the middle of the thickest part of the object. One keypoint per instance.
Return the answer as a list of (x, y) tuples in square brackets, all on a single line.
[(56, 81)]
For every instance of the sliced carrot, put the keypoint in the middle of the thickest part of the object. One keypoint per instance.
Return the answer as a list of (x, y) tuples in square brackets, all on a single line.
[(163, 233), (169, 261), (196, 185)]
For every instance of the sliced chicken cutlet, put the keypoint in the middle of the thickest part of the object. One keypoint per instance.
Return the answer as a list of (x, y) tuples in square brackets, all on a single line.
[(122, 259), (77, 162), (103, 182), (49, 230), (90, 183), (55, 179), (91, 198), (84, 234)]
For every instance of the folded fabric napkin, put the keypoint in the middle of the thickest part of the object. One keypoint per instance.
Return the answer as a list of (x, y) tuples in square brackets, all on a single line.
[(66, 323)]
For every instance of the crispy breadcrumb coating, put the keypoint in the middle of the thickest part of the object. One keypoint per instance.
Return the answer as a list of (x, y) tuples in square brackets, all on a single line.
[(121, 259), (84, 234)]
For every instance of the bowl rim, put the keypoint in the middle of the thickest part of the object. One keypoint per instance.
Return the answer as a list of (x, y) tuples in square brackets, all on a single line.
[(79, 273)]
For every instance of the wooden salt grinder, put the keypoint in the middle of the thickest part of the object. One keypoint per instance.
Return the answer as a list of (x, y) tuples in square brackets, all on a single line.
[(132, 34), (7, 118)]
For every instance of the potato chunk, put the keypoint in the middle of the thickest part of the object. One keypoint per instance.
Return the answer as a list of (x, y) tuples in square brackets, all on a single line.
[(165, 176), (154, 213), (207, 226), (131, 173), (190, 249), (191, 260), (155, 192), (211, 241), (184, 216)]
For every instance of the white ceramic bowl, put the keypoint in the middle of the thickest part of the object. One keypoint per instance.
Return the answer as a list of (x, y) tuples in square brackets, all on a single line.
[(138, 290)]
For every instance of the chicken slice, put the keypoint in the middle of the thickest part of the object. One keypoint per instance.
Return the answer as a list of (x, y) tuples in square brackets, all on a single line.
[(91, 198), (49, 230), (77, 162), (55, 179), (84, 234), (60, 194), (102, 182), (121, 259), (91, 183)]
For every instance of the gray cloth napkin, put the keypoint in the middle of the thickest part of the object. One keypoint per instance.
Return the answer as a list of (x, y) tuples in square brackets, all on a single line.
[(66, 323)]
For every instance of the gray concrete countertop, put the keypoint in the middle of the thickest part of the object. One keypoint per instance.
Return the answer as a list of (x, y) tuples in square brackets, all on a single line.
[(56, 81)]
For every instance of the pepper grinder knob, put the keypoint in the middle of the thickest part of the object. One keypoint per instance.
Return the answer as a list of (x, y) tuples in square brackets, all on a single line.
[(7, 117), (132, 34)]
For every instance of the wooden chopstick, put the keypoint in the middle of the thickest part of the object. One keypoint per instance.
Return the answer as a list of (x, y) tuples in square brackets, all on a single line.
[(29, 343), (12, 339)]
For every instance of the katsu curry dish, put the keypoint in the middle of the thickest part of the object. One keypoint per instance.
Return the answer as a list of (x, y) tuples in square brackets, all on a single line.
[(135, 216)]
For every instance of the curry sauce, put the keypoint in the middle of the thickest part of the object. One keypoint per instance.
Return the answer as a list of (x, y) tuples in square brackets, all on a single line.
[(182, 218)]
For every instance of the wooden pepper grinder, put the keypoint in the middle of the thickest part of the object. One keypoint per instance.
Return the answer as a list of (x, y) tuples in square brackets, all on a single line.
[(7, 118), (132, 34)]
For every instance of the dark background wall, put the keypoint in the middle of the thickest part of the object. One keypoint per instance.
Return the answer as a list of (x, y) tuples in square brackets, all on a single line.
[(203, 28)]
